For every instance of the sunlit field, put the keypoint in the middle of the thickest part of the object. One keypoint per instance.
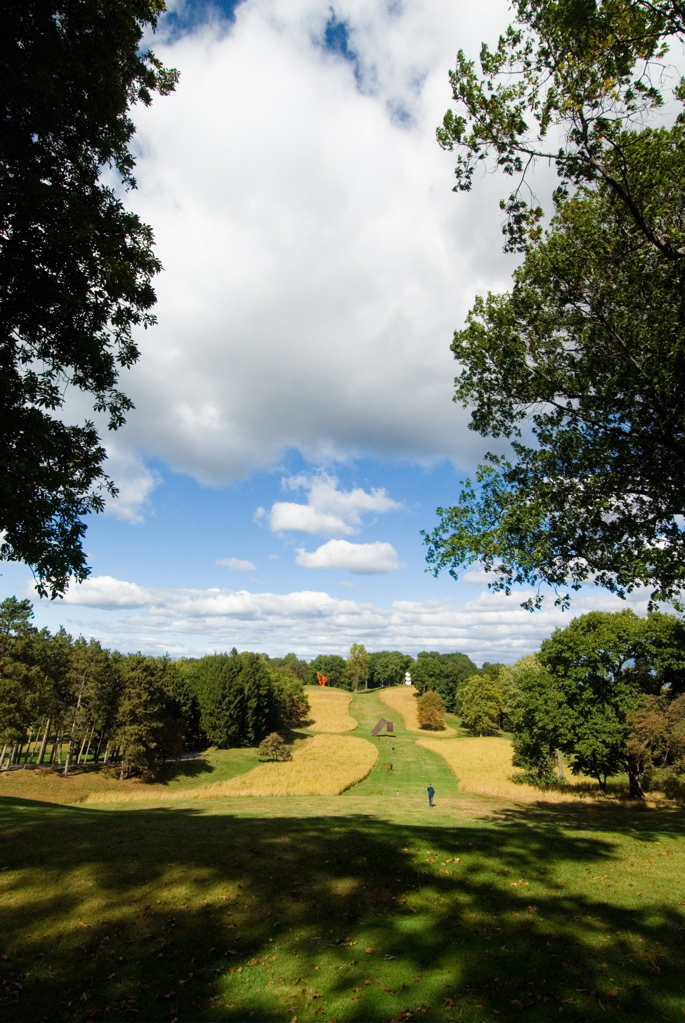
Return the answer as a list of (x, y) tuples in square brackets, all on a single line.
[(483, 768), (402, 700), (329, 710), (324, 765)]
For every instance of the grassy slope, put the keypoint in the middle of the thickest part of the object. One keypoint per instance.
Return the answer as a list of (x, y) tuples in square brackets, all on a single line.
[(359, 907), (413, 768)]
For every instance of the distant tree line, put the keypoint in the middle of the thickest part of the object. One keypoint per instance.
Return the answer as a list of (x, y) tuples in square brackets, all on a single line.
[(604, 696)]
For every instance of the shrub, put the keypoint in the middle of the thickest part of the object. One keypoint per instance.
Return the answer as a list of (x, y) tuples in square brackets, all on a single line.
[(274, 748), (431, 711)]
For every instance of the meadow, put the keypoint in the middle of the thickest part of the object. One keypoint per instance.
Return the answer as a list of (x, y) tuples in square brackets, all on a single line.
[(329, 710), (365, 906)]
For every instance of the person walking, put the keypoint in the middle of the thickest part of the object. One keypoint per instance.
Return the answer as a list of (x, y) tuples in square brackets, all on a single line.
[(431, 792)]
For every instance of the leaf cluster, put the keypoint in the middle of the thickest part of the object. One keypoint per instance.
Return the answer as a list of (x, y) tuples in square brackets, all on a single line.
[(75, 265)]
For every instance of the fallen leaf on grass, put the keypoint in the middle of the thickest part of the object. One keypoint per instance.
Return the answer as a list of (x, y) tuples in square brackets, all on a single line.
[(253, 962), (368, 951), (388, 957), (403, 1016), (614, 993)]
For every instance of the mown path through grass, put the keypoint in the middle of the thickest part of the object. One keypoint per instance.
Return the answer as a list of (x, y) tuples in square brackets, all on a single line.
[(413, 768)]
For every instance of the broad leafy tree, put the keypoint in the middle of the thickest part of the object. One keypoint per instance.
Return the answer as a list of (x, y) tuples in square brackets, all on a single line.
[(357, 667), (586, 353), (388, 667), (442, 673), (430, 709), (657, 734), (481, 703), (75, 266), (332, 666), (587, 680)]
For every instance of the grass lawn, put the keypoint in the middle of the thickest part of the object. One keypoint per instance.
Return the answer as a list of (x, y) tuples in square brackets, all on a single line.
[(365, 906)]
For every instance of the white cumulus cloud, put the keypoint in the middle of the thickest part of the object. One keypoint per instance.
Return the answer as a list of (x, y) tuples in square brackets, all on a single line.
[(314, 269), (491, 627), (134, 481), (361, 558), (328, 511)]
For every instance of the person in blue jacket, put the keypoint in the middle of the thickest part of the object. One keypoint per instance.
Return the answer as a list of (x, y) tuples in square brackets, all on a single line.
[(431, 792)]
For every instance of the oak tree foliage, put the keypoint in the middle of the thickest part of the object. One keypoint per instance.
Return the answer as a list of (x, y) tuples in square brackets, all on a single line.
[(75, 265), (581, 366), (581, 692)]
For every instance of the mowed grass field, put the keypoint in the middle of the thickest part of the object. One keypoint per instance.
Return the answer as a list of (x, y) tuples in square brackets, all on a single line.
[(364, 906)]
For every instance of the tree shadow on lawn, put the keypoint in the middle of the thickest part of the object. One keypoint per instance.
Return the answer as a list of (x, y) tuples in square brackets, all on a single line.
[(173, 769), (176, 913), (635, 820)]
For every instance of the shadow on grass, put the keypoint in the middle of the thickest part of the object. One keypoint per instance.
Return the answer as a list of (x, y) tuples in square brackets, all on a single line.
[(176, 913), (173, 769)]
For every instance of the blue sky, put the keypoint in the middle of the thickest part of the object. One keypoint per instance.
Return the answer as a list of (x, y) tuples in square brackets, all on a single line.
[(294, 429)]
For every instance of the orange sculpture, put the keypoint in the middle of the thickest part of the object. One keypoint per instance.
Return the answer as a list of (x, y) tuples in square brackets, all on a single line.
[(321, 679)]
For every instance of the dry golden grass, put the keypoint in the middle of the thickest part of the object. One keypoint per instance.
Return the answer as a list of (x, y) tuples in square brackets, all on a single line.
[(325, 765), (483, 768), (329, 710), (402, 700)]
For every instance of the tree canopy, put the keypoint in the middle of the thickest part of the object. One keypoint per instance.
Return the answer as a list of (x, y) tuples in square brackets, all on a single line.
[(578, 694), (587, 351), (75, 266)]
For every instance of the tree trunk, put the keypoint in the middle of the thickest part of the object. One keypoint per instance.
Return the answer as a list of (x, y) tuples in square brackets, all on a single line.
[(17, 752), (27, 756), (560, 765), (43, 744), (96, 756), (635, 774), (106, 756), (83, 746), (2, 756), (90, 739)]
